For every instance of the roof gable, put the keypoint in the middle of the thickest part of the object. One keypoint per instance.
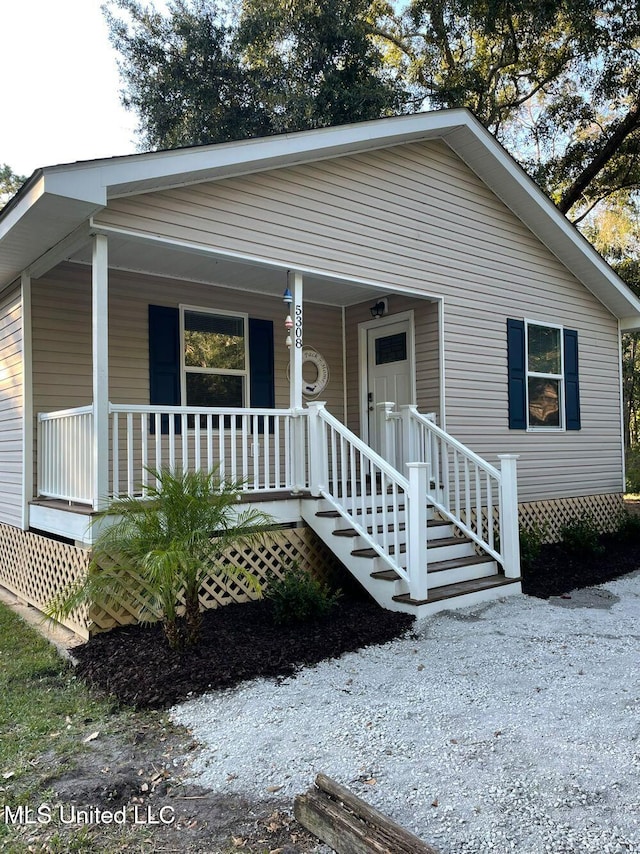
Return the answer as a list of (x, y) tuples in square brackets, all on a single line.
[(59, 199)]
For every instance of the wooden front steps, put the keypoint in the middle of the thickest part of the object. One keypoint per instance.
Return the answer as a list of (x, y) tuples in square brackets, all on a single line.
[(457, 575)]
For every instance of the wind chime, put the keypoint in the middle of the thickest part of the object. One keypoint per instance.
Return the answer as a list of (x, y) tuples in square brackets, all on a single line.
[(287, 299)]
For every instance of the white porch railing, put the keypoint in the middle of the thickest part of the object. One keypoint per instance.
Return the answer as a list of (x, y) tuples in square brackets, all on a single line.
[(464, 488), (263, 449), (375, 499), (65, 454), (251, 446)]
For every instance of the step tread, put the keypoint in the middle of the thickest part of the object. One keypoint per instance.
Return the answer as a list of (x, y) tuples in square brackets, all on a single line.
[(369, 552), (386, 575), (460, 588), (437, 565), (455, 562), (333, 514), (364, 553), (448, 541), (432, 523), (378, 509), (390, 528), (345, 532)]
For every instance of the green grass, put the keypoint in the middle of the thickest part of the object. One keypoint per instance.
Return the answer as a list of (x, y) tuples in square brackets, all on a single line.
[(42, 707), (45, 715)]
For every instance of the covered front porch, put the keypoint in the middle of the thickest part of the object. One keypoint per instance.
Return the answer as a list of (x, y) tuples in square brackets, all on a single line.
[(127, 330), (348, 428)]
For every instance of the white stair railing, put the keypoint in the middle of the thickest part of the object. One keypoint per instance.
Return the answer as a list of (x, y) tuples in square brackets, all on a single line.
[(372, 496), (464, 488)]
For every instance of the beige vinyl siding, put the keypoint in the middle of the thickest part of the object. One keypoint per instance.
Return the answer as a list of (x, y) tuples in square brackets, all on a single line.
[(62, 335), (61, 324), (416, 217), (11, 407)]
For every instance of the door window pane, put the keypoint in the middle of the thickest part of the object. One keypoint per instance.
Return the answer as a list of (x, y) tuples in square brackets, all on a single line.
[(391, 348)]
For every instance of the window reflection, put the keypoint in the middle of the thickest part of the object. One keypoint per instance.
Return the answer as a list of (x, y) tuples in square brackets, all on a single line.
[(544, 402), (544, 349)]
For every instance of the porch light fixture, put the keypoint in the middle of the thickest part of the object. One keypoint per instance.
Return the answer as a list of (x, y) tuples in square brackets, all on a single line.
[(379, 309)]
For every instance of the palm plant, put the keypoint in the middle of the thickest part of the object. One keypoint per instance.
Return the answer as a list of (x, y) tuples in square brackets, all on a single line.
[(167, 543)]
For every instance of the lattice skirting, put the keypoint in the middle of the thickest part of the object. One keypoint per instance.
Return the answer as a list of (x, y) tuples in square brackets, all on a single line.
[(605, 510), (35, 568), (552, 514)]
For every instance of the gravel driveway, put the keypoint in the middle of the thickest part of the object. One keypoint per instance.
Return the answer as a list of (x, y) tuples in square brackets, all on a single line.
[(512, 726)]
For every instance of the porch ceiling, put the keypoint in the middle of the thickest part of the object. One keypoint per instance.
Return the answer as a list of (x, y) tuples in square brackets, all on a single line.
[(156, 259)]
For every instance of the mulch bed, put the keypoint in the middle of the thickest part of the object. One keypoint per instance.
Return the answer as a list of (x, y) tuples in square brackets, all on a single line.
[(557, 570), (241, 642)]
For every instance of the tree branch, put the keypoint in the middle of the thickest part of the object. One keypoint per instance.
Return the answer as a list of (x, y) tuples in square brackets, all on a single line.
[(630, 123)]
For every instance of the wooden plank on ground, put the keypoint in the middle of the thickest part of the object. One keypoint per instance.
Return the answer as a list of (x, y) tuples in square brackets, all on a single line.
[(349, 825)]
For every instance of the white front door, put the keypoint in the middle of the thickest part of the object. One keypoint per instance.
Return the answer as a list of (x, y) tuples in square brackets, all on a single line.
[(390, 370)]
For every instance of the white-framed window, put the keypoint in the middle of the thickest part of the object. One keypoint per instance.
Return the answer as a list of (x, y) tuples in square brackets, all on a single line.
[(215, 357), (545, 376)]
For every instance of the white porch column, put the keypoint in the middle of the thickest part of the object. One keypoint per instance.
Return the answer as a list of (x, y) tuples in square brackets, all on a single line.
[(27, 401), (298, 458), (295, 356), (417, 525), (509, 529), (100, 345)]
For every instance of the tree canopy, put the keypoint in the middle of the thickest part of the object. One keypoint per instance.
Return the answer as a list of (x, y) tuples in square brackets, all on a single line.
[(199, 75), (557, 81), (10, 183)]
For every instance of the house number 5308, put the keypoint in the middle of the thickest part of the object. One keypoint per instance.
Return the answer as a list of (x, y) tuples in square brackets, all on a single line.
[(298, 326)]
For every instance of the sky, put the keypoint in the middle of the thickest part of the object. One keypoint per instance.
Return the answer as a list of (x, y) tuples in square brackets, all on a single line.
[(60, 86)]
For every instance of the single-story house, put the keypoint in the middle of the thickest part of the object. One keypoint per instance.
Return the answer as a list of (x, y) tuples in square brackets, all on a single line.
[(384, 329)]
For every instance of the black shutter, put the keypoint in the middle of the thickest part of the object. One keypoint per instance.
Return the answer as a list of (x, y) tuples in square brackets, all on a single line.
[(261, 367), (517, 375), (164, 361), (571, 383)]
